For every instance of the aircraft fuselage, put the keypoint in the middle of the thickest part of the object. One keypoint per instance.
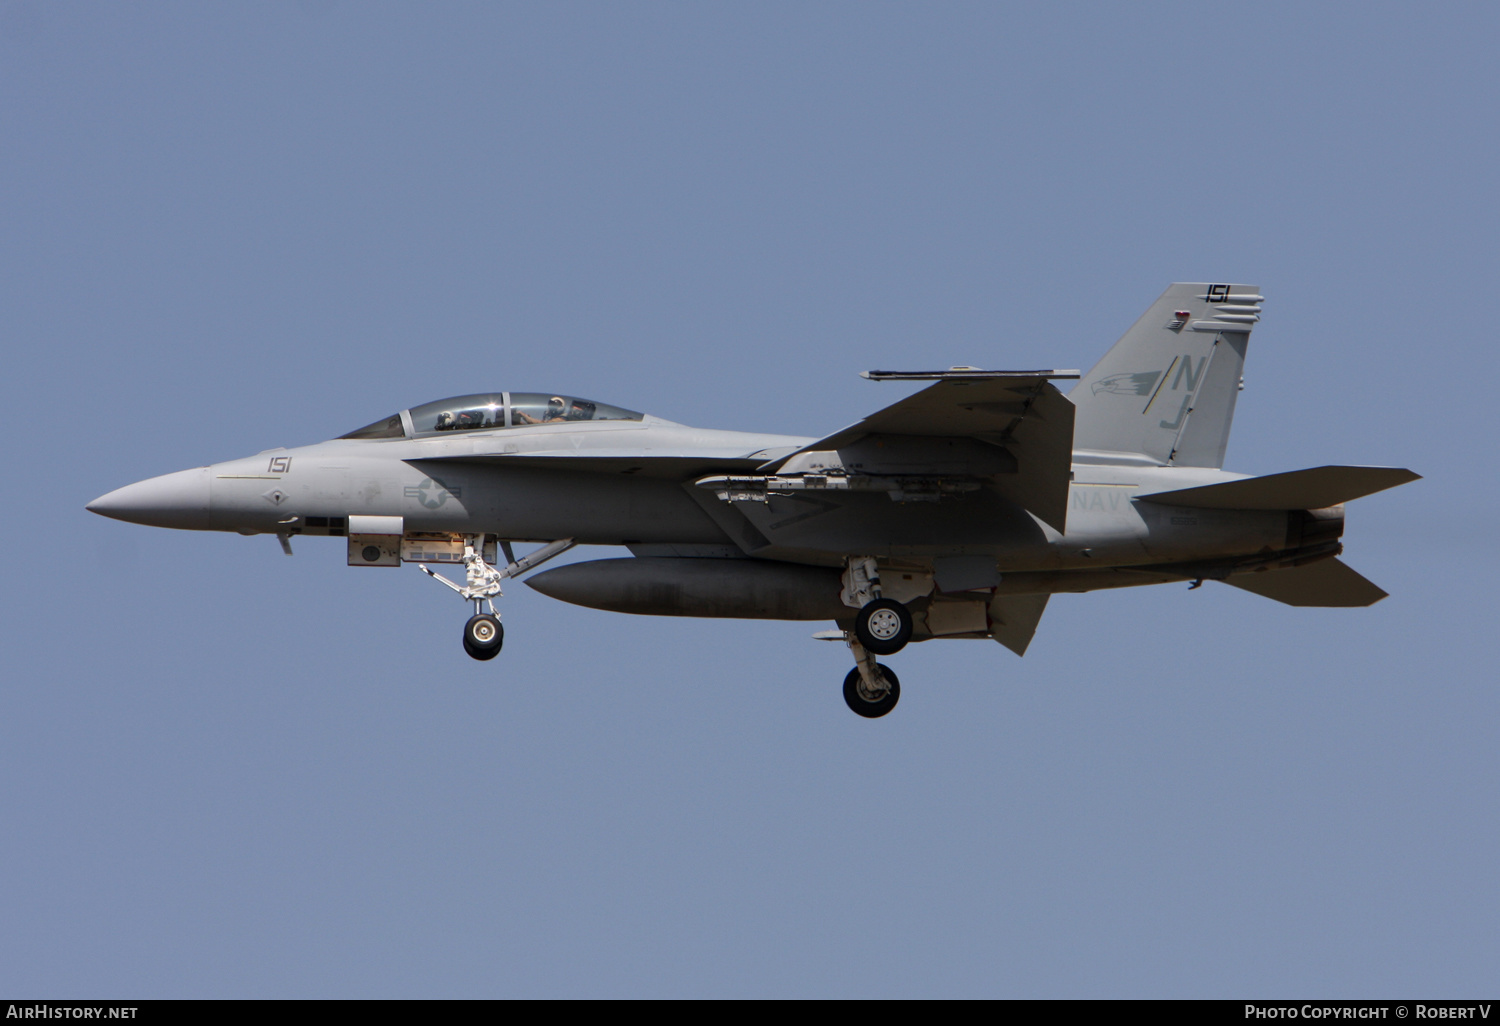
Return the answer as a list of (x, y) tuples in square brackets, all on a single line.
[(954, 512), (313, 489)]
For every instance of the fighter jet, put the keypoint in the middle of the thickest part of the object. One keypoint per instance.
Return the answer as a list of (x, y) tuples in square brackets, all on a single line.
[(954, 513)]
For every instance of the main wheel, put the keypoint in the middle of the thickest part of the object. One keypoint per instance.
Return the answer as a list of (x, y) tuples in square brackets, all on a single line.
[(883, 626), (867, 703), (483, 636)]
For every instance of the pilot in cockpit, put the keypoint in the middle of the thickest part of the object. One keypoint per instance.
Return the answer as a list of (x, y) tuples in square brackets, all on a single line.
[(556, 412)]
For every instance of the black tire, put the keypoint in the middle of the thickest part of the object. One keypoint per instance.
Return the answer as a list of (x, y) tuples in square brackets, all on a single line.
[(855, 699), (478, 653), (483, 636), (890, 630)]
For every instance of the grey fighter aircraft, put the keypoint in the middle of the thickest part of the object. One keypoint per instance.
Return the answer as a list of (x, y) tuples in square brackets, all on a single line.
[(954, 513)]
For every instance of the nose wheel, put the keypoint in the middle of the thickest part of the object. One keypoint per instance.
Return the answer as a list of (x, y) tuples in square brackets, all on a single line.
[(483, 636)]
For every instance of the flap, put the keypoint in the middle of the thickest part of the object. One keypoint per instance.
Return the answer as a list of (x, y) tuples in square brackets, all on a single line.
[(1315, 488), (1328, 582), (1013, 619), (1020, 412)]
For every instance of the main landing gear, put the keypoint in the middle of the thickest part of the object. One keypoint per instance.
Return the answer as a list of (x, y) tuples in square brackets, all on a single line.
[(882, 626), (483, 634), (870, 689)]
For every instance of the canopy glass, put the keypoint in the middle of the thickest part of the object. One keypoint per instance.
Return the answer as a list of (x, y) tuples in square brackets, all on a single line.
[(493, 410)]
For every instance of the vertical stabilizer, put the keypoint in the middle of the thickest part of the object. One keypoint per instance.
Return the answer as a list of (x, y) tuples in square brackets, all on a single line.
[(1167, 388)]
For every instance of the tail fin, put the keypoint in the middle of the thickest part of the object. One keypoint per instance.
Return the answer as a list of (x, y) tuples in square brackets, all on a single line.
[(1167, 388)]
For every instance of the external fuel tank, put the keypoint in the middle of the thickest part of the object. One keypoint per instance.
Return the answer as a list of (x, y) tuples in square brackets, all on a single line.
[(679, 586)]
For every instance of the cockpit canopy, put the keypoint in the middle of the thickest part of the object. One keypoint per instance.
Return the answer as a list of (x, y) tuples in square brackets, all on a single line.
[(490, 411)]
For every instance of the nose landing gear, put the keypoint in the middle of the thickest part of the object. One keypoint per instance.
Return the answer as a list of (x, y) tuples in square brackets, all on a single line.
[(483, 634)]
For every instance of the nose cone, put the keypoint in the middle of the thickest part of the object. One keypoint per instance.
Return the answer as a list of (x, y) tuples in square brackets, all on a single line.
[(172, 500)]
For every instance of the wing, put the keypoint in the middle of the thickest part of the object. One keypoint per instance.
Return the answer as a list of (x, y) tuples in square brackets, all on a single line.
[(1013, 427)]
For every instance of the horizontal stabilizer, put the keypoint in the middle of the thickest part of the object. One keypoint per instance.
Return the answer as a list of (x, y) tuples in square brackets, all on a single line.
[(1327, 582), (1314, 488)]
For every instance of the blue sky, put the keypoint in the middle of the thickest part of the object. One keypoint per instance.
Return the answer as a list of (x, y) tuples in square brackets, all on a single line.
[(229, 227)]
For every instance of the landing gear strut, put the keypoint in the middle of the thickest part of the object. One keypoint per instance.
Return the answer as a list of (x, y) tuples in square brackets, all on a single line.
[(882, 625), (483, 634)]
